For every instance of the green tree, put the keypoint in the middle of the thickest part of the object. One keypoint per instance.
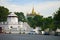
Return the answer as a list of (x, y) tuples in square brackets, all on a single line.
[(38, 20), (47, 23), (3, 13), (31, 22), (57, 19), (21, 16), (35, 21)]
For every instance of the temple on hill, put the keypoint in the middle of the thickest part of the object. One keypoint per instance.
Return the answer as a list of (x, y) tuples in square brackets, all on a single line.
[(33, 13)]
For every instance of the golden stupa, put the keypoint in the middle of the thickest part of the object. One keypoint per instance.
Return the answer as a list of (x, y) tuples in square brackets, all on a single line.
[(33, 13)]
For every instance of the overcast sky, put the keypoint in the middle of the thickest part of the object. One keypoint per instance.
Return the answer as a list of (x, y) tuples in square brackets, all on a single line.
[(43, 7)]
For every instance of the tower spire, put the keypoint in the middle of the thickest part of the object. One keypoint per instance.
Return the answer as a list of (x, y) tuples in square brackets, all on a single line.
[(33, 10)]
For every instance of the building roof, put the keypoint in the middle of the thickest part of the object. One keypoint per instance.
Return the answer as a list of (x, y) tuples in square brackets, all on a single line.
[(12, 15)]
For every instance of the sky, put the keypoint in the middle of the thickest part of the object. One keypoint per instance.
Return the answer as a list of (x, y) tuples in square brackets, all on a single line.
[(43, 7)]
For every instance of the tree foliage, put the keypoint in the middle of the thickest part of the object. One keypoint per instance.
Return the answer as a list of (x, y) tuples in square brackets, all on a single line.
[(57, 19), (31, 22), (3, 13), (35, 21), (47, 22), (38, 20), (21, 16)]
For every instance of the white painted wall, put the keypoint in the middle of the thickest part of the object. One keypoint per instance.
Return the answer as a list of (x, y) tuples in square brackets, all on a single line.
[(12, 20)]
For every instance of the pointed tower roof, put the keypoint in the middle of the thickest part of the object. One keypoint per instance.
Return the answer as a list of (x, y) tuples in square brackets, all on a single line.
[(33, 12)]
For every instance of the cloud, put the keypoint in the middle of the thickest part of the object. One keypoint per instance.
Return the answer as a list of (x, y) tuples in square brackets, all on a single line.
[(1, 1)]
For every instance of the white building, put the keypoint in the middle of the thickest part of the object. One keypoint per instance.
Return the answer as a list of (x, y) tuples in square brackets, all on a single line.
[(13, 26), (37, 30)]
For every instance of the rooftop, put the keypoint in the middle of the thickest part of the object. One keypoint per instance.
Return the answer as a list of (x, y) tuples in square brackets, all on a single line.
[(12, 14)]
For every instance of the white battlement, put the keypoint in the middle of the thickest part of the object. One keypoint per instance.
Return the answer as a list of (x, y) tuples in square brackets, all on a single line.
[(3, 23)]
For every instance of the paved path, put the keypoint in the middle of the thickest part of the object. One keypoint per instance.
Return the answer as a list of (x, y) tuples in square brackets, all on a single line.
[(27, 37)]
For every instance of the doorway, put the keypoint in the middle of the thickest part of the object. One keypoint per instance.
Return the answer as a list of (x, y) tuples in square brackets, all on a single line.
[(0, 29)]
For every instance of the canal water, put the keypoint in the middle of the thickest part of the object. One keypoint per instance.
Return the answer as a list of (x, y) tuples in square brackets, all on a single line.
[(27, 37)]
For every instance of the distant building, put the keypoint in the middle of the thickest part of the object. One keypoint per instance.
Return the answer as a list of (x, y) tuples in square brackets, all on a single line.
[(58, 30), (33, 13), (37, 30)]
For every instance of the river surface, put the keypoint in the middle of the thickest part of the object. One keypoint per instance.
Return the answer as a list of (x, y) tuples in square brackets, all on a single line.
[(27, 37)]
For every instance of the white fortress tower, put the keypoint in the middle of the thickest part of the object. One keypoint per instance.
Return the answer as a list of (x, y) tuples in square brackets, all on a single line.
[(12, 19), (12, 24)]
